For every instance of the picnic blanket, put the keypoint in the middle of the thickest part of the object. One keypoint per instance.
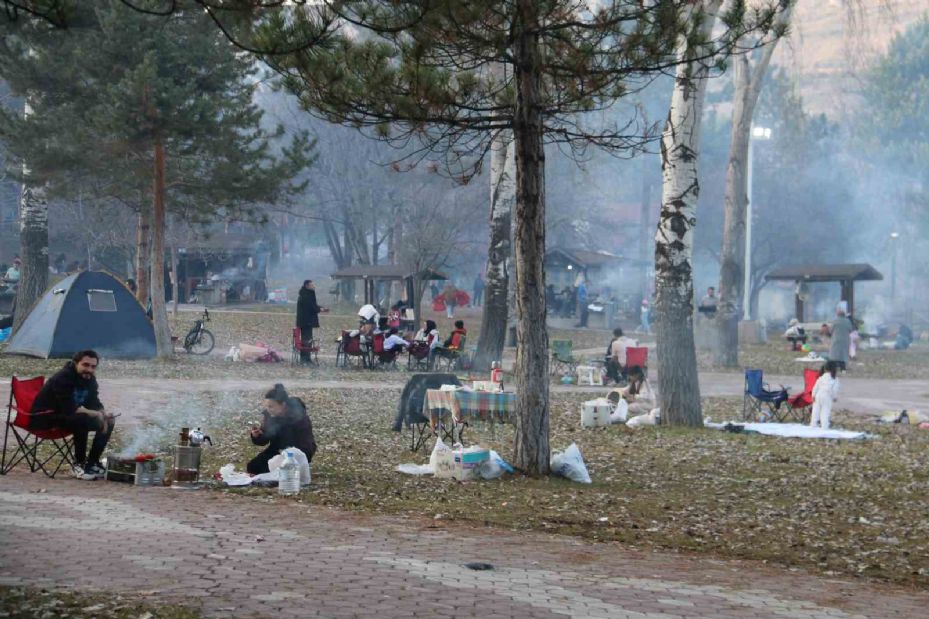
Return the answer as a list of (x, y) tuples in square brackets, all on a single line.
[(792, 430), (466, 405)]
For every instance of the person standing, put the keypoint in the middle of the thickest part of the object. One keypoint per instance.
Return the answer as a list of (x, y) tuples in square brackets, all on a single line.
[(825, 392), (307, 317), (69, 400), (478, 291), (450, 295), (840, 331), (644, 318), (582, 310)]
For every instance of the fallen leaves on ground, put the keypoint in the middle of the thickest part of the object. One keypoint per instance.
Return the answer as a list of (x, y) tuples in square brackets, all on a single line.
[(32, 603)]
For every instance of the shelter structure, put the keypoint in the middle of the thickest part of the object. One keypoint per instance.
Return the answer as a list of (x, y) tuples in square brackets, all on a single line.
[(371, 274), (562, 266), (89, 309), (845, 274), (223, 268)]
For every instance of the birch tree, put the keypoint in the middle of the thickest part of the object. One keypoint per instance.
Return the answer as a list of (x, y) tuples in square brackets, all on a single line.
[(748, 78), (679, 390), (33, 241)]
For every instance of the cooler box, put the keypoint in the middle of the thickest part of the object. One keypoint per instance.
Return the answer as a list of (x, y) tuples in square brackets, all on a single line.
[(595, 413), (468, 462)]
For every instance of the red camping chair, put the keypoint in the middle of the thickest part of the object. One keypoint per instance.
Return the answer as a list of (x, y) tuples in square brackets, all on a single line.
[(799, 406), (311, 348), (22, 395), (419, 355), (351, 347), (380, 357), (637, 356)]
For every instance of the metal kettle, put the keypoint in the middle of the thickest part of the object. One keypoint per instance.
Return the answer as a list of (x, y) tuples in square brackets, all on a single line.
[(197, 438)]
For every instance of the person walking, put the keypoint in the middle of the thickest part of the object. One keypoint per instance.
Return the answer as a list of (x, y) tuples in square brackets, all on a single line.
[(478, 297), (450, 295), (307, 317), (582, 310), (825, 392), (644, 318)]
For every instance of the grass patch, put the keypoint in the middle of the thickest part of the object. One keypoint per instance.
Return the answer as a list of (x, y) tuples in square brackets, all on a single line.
[(29, 603), (836, 507)]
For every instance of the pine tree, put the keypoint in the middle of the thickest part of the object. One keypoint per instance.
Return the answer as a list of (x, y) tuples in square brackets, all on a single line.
[(428, 71), (142, 105)]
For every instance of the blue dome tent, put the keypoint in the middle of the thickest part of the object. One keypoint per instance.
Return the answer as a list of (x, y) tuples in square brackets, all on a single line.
[(91, 309)]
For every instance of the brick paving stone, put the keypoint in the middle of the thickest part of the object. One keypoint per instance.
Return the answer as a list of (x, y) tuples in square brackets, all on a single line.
[(201, 549)]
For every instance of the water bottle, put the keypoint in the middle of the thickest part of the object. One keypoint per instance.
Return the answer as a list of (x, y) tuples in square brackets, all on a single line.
[(288, 475)]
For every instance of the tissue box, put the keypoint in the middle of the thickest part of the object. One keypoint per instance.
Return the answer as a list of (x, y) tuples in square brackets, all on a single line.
[(468, 462), (595, 413)]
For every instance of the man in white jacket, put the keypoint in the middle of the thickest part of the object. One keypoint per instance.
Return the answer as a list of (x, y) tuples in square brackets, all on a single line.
[(825, 393)]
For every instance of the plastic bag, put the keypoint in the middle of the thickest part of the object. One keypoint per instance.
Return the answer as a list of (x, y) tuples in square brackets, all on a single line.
[(570, 464), (620, 412), (231, 477), (302, 464), (415, 469), (494, 467), (442, 460), (648, 419)]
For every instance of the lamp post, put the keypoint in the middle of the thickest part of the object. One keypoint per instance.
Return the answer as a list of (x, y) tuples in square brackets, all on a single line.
[(893, 265), (757, 133)]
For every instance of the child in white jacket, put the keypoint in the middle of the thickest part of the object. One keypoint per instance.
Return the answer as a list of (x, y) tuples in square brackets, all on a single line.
[(825, 392)]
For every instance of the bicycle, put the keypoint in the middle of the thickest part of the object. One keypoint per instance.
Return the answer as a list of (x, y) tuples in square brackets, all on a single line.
[(199, 340)]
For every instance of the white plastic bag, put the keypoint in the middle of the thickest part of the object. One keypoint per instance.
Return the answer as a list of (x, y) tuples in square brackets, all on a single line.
[(620, 412), (648, 419), (442, 460), (570, 464), (302, 463), (231, 477)]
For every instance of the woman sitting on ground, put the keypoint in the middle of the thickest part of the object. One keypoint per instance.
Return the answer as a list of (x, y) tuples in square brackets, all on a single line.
[(284, 424)]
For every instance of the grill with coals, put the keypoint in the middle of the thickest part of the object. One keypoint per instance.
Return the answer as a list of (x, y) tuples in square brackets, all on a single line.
[(147, 470)]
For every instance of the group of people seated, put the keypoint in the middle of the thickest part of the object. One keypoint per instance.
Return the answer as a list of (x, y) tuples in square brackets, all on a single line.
[(425, 343), (617, 368)]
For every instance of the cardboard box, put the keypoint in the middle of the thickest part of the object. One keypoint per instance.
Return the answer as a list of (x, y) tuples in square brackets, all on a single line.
[(467, 463)]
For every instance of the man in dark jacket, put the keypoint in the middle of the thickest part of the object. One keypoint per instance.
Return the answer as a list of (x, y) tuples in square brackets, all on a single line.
[(285, 423), (70, 400), (307, 316)]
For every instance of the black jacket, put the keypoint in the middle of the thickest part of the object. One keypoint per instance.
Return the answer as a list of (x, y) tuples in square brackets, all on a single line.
[(292, 429), (63, 393), (307, 309)]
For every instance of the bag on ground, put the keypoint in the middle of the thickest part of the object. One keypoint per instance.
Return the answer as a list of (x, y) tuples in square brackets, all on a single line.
[(570, 464)]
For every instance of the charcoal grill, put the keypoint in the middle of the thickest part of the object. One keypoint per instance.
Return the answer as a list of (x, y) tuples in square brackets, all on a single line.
[(127, 470)]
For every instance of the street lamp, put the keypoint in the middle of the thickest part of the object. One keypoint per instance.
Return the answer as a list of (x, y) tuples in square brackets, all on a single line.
[(893, 266), (757, 133)]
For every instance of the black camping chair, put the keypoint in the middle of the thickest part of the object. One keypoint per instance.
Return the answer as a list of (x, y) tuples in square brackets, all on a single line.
[(410, 409)]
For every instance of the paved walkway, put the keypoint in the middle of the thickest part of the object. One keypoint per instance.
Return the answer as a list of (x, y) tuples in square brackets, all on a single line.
[(244, 557)]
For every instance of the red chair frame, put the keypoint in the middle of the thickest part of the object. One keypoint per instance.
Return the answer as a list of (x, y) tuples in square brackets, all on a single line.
[(351, 347), (28, 442), (381, 358), (312, 348), (800, 405), (637, 356)]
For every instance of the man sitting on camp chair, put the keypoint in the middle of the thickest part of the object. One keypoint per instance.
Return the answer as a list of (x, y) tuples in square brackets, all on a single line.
[(71, 396)]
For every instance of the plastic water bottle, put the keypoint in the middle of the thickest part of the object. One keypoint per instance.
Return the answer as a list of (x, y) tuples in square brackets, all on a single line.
[(288, 475)]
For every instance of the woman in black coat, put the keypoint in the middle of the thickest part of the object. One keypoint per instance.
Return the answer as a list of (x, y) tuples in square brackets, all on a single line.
[(307, 316), (284, 424)]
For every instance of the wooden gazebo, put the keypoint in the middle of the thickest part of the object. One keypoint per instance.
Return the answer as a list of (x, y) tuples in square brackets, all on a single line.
[(845, 274), (370, 274)]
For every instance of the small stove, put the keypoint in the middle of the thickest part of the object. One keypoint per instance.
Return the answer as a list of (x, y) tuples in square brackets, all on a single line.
[(142, 470)]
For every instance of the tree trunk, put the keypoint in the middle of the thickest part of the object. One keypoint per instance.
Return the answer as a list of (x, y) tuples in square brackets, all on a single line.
[(163, 345), (143, 254), (747, 82), (174, 283), (732, 255), (645, 234), (531, 453), (679, 390), (33, 249), (502, 196)]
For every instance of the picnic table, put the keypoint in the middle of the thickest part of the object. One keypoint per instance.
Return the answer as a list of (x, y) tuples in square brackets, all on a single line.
[(464, 406)]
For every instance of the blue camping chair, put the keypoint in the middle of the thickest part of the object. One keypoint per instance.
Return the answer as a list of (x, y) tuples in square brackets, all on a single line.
[(760, 402)]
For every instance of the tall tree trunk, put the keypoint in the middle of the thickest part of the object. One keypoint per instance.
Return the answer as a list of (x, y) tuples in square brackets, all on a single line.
[(163, 345), (645, 236), (747, 87), (679, 390), (502, 196), (33, 249), (531, 453), (143, 254), (174, 283), (732, 255)]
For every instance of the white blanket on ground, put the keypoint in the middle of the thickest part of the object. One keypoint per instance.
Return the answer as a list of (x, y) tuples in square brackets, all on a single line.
[(793, 430)]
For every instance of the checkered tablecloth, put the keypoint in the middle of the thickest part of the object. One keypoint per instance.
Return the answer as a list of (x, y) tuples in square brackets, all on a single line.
[(468, 406)]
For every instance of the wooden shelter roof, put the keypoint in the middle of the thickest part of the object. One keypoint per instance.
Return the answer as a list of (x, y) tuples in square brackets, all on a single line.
[(857, 272)]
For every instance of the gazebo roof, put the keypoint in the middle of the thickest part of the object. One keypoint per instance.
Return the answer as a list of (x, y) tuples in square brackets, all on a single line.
[(586, 257), (384, 272), (826, 273)]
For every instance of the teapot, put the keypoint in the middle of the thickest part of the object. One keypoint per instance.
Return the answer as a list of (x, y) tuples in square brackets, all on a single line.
[(197, 438)]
